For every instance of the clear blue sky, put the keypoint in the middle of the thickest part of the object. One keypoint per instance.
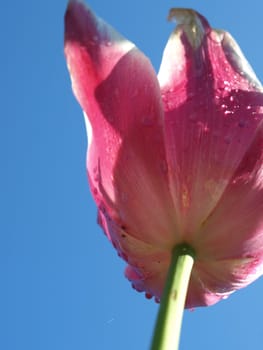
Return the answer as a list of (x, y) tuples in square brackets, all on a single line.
[(62, 284)]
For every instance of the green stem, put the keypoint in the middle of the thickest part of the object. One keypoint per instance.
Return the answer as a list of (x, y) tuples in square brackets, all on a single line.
[(169, 320)]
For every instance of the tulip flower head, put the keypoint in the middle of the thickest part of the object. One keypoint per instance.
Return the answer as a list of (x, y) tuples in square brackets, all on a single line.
[(174, 158)]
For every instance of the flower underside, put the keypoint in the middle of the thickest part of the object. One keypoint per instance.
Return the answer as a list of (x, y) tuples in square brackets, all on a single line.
[(176, 157)]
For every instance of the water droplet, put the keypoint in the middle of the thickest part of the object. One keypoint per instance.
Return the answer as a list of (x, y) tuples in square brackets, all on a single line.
[(231, 98), (191, 94), (148, 296), (249, 107), (108, 43), (228, 112), (193, 117), (109, 150), (163, 166), (170, 105), (124, 197), (227, 139), (116, 92), (216, 133), (110, 118), (185, 197), (135, 93), (93, 40), (96, 177), (147, 120), (241, 123), (122, 255), (137, 288), (164, 98)]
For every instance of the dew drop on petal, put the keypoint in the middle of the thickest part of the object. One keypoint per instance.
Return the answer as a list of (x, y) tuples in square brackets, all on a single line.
[(147, 120), (124, 197), (110, 118), (216, 133), (134, 93), (227, 139), (228, 112), (116, 92), (148, 296), (241, 124), (163, 166), (193, 117)]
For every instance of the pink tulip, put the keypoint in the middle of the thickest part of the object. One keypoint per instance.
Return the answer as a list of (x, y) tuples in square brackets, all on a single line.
[(175, 158)]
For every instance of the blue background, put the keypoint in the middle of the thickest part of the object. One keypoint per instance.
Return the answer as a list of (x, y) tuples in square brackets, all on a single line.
[(62, 284)]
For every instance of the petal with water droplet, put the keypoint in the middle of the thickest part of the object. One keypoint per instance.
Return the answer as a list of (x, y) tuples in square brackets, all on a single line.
[(118, 89), (201, 165), (219, 203)]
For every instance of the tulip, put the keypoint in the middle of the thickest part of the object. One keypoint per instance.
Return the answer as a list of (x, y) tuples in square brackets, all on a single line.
[(175, 161)]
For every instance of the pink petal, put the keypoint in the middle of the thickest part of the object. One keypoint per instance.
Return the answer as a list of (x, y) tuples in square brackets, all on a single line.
[(212, 112), (119, 92), (213, 131)]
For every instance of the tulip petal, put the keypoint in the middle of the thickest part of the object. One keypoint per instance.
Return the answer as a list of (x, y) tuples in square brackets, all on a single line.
[(241, 206), (213, 130), (119, 92), (213, 108)]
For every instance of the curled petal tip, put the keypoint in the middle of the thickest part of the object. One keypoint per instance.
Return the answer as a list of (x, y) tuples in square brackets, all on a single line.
[(181, 15), (75, 2), (72, 3), (191, 22), (239, 62)]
